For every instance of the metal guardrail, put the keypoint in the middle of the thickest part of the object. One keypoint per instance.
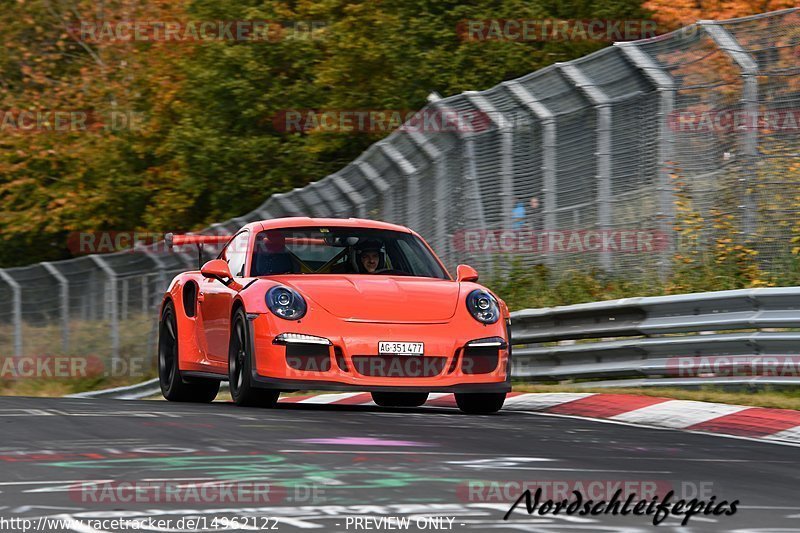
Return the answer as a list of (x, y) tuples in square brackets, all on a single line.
[(688, 339), (138, 391), (641, 342)]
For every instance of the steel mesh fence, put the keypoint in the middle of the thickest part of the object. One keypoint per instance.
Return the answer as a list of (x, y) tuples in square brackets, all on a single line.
[(608, 143)]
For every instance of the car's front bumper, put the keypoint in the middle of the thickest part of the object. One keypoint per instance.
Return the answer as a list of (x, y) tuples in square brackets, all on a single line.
[(353, 364)]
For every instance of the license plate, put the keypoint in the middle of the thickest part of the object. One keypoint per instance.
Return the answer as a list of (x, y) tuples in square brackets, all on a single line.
[(401, 348)]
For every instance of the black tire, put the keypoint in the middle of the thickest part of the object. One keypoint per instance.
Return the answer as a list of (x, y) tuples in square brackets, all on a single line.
[(173, 386), (240, 356), (399, 399), (480, 403)]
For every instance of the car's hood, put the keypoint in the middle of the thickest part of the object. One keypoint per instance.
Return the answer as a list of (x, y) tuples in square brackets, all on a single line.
[(381, 298)]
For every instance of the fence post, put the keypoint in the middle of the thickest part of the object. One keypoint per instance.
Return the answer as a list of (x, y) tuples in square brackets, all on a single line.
[(328, 198), (549, 136), (152, 253), (16, 292), (381, 187), (263, 212), (162, 269), (434, 156), (602, 104), (319, 209), (506, 156), (665, 85), (145, 293), (749, 140), (285, 201), (125, 285), (352, 195), (469, 174), (413, 216), (111, 298), (63, 286)]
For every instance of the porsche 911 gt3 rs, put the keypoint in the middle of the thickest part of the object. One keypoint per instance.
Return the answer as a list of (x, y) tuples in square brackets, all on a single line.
[(331, 304)]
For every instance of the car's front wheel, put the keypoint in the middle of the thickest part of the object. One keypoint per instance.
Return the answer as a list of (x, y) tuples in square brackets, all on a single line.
[(240, 361), (480, 403), (173, 386), (399, 399)]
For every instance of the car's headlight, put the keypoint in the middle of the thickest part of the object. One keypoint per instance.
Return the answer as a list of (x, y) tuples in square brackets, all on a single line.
[(483, 306), (286, 303)]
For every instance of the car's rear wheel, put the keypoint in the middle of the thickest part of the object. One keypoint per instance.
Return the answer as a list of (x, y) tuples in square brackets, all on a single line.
[(240, 361), (399, 399), (480, 403), (173, 386)]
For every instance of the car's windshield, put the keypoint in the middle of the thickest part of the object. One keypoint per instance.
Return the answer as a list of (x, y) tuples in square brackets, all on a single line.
[(338, 250)]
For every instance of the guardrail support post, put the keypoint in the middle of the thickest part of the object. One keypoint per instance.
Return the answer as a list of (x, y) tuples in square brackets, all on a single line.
[(16, 292), (63, 286)]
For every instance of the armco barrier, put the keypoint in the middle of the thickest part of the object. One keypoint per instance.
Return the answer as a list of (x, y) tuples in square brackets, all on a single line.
[(683, 340), (678, 340)]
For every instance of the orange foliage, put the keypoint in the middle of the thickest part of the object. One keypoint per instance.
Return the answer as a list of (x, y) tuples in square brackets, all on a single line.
[(673, 14)]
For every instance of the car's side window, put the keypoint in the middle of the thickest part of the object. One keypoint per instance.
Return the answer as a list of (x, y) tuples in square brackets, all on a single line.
[(236, 253)]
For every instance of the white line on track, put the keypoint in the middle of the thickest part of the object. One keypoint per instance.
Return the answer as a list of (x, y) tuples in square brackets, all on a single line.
[(326, 398), (382, 452), (553, 469), (8, 483)]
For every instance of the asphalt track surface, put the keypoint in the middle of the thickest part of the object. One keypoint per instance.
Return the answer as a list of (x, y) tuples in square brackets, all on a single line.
[(326, 463)]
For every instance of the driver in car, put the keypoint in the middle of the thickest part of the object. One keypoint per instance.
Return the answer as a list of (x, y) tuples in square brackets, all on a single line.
[(369, 257)]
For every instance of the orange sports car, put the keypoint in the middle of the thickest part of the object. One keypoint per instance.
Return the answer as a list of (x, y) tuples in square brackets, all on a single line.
[(331, 304)]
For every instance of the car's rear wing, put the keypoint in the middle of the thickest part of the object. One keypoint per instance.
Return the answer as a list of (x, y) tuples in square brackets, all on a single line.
[(170, 239), (179, 240)]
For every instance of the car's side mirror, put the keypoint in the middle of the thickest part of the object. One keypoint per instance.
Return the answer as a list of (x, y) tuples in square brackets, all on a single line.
[(216, 269), (466, 273)]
